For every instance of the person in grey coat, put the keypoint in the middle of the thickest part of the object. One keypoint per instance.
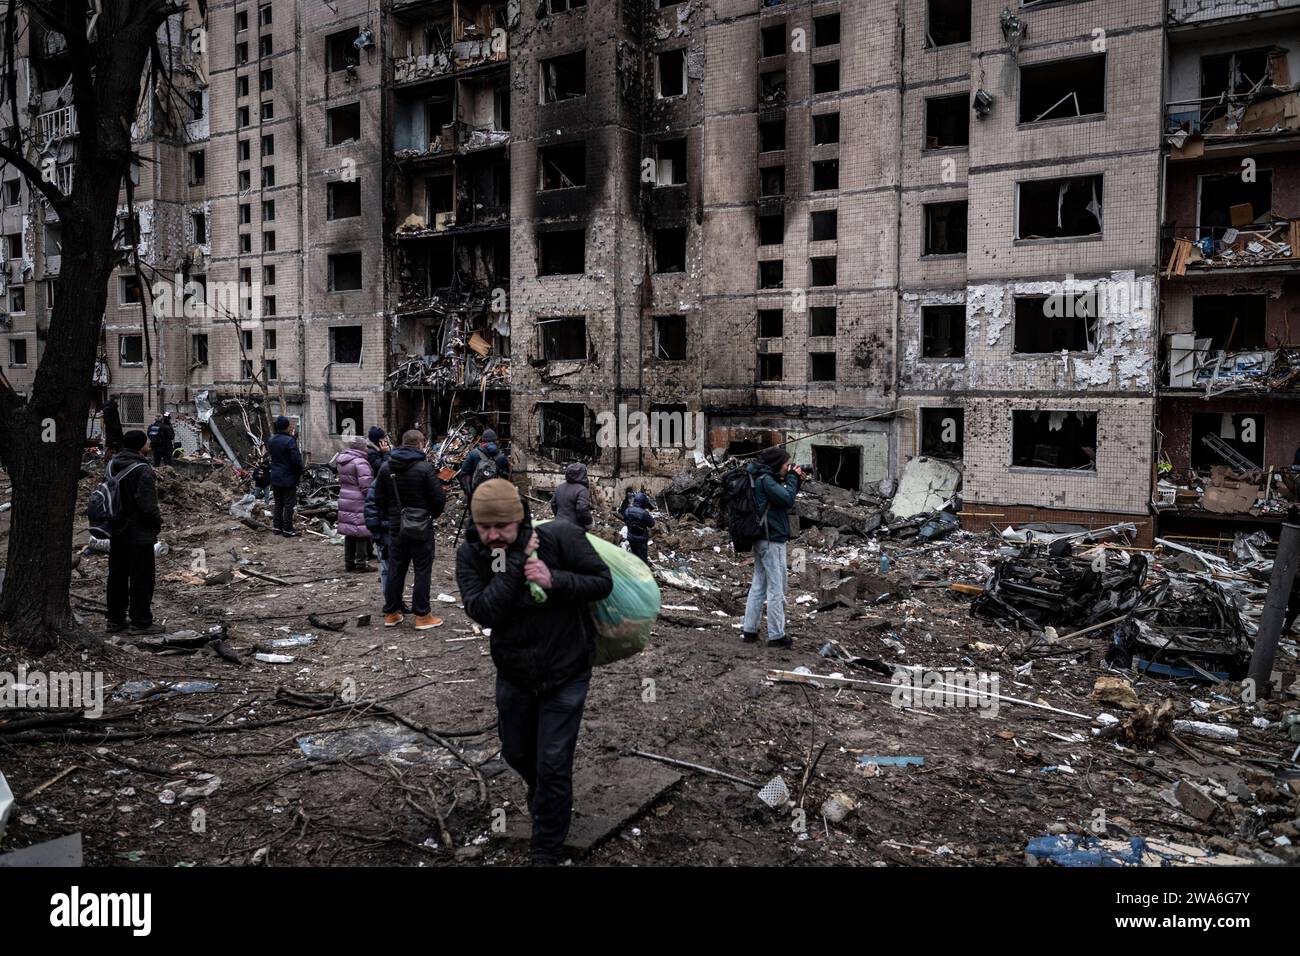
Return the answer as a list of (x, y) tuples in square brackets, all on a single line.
[(572, 500)]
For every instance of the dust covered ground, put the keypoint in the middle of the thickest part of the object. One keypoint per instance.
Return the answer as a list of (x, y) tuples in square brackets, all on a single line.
[(377, 746)]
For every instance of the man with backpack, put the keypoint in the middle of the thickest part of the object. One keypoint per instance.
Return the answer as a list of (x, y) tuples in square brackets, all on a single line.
[(286, 470), (409, 493), (543, 651), (774, 483), (161, 438), (484, 463), (125, 507), (638, 519)]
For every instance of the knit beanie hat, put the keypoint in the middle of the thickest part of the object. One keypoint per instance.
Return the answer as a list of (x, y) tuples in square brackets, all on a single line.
[(496, 501), (774, 458), (376, 433)]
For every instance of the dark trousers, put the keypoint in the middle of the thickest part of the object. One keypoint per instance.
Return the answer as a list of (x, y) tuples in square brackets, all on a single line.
[(401, 555), (130, 582), (640, 548), (160, 456), (356, 551), (539, 734), (282, 510)]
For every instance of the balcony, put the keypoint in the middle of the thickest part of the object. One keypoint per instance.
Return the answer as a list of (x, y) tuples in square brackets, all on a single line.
[(1267, 245), (1192, 365), (1186, 13), (57, 124)]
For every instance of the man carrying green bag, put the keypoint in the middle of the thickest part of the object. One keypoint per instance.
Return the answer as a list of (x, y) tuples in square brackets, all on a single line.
[(543, 650)]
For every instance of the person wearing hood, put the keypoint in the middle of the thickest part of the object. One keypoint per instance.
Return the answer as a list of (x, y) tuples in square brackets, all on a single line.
[(776, 482), (355, 478), (572, 500), (130, 557), (636, 515), (488, 450), (408, 482), (286, 470), (543, 652), (112, 427)]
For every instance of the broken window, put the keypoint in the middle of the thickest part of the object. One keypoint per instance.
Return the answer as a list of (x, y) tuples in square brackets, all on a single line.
[(241, 90), (1054, 439), (199, 227), (268, 305), (943, 331), (771, 181), (340, 51), (771, 323), (671, 68), (562, 6), (17, 351), (348, 417), (268, 176), (1243, 434), (773, 40), (266, 80), (821, 321), (564, 77), (1236, 73), (824, 225), (343, 124), (344, 199), (268, 112), (563, 166), (268, 340), (771, 87), (670, 162), (838, 465), (198, 350), (826, 129), (1229, 323), (945, 228), (345, 345), (1226, 201), (345, 272), (198, 168), (130, 350), (947, 122), (771, 274), (771, 228), (566, 430), (272, 370), (53, 239), (771, 366), (826, 77), (564, 339), (826, 175), (1063, 88), (18, 300), (1057, 208), (561, 252), (243, 117), (822, 270), (130, 291), (826, 30), (244, 151), (771, 136), (268, 145), (670, 337), (947, 22), (670, 249), (246, 340), (941, 432), (1055, 323), (821, 366)]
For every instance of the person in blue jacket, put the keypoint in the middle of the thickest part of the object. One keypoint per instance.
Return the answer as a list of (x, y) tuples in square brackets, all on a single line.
[(776, 482), (636, 515), (286, 470)]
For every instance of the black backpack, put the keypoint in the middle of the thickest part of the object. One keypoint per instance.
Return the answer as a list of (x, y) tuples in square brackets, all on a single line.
[(485, 470), (155, 430), (104, 509), (743, 520)]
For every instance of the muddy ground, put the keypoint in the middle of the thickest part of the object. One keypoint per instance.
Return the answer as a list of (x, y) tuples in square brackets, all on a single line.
[(131, 781)]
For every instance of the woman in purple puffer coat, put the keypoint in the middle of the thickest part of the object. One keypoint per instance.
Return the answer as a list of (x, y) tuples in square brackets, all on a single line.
[(354, 481)]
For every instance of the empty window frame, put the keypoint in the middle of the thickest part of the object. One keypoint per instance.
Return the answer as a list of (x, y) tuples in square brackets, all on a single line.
[(1063, 89), (348, 416), (947, 121), (825, 129), (129, 291), (563, 6), (945, 228), (345, 344), (771, 87), (771, 228), (821, 366), (947, 22), (344, 199), (561, 252), (272, 367), (345, 272), (670, 249), (771, 367), (839, 465), (826, 30), (772, 40), (771, 274), (771, 323), (1047, 438), (199, 227), (340, 51), (1244, 434), (670, 337), (130, 350), (670, 162), (941, 432), (1227, 201), (771, 136), (564, 339), (771, 181), (198, 168), (1237, 73), (1059, 208), (822, 271), (1056, 323), (943, 331), (564, 77), (670, 69), (823, 225), (198, 350), (822, 321), (18, 352), (562, 166), (826, 175), (343, 124), (566, 430), (826, 77), (1230, 323)]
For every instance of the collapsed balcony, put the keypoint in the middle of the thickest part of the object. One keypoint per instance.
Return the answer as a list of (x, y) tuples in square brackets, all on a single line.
[(440, 39), (454, 117), (1244, 96), (465, 351)]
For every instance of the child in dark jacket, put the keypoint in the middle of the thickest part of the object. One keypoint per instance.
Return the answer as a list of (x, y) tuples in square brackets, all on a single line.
[(636, 515)]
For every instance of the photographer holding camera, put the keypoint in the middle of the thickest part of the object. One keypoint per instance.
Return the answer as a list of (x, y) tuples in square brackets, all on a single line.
[(776, 482)]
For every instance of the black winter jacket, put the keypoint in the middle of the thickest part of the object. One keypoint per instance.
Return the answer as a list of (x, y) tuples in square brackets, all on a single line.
[(537, 646), (572, 500), (418, 486), (286, 460), (139, 492)]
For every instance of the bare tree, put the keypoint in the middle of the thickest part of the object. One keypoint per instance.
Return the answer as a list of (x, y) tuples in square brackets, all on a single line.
[(42, 436)]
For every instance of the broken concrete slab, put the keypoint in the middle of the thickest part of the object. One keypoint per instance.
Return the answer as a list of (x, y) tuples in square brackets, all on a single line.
[(926, 484), (1195, 801), (65, 851)]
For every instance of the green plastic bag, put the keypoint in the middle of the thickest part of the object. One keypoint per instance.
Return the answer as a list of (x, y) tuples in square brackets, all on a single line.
[(624, 619)]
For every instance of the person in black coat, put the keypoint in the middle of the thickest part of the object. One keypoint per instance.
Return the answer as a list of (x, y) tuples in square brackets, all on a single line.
[(162, 438), (286, 470), (636, 515), (572, 500), (112, 426), (408, 480), (543, 652), (130, 556)]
